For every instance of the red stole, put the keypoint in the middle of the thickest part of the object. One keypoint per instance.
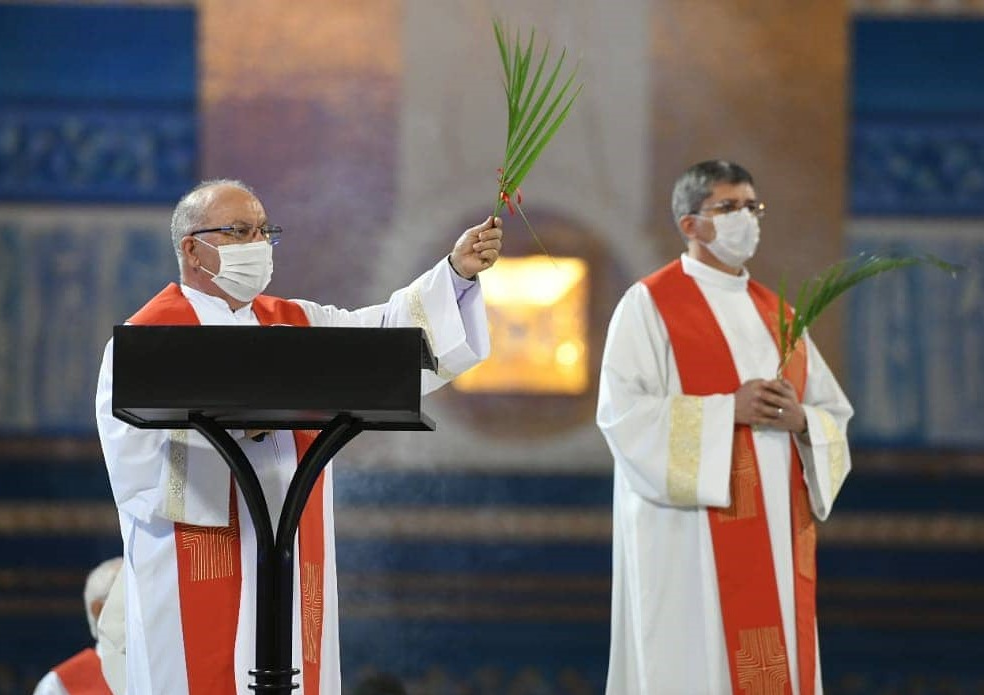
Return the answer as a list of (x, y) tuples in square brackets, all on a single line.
[(209, 572), (757, 654), (82, 674)]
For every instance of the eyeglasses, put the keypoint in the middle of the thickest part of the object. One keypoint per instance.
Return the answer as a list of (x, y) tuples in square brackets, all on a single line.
[(725, 206), (243, 232)]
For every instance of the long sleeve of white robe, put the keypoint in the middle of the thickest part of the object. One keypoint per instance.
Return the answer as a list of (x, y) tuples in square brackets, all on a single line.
[(667, 633), (159, 477)]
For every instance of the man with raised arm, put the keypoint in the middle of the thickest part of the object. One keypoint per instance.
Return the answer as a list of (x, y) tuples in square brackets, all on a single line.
[(189, 545)]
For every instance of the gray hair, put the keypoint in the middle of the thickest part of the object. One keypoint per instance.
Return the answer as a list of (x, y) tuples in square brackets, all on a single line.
[(694, 186), (190, 210), (97, 586)]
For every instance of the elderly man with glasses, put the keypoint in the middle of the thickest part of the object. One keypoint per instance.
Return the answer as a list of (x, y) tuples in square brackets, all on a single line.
[(720, 466), (190, 625)]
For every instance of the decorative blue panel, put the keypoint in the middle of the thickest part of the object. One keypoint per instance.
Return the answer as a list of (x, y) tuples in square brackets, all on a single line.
[(113, 154), (916, 341), (933, 167), (106, 114), (917, 135), (917, 67), (65, 279), (97, 53)]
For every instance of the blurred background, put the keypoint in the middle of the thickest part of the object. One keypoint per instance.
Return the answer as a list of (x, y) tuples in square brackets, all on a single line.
[(477, 559)]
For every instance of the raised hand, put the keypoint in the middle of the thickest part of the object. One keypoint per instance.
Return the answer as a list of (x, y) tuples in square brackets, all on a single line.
[(478, 248)]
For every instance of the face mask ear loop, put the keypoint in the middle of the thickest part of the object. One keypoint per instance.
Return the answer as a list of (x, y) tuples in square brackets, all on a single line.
[(201, 266), (202, 241)]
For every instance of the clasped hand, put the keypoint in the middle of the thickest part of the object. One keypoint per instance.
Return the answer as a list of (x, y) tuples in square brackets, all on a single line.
[(769, 403)]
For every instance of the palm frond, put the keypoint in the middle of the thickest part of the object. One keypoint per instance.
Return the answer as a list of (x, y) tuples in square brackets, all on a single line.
[(537, 106), (783, 323), (536, 238), (817, 293)]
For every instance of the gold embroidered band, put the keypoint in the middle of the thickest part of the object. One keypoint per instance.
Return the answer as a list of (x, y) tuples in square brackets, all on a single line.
[(836, 451), (686, 425), (177, 475)]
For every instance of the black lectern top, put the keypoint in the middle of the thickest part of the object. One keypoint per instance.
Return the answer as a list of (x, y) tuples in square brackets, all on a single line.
[(270, 377)]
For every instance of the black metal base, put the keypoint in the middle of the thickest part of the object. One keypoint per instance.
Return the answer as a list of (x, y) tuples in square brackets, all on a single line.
[(275, 553), (273, 680)]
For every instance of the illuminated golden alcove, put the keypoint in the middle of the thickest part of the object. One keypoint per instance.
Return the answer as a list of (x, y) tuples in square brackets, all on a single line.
[(538, 319)]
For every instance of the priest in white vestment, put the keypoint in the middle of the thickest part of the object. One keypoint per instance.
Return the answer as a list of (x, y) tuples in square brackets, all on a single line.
[(172, 485), (720, 467)]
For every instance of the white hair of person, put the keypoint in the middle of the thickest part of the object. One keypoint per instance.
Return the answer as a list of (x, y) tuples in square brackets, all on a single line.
[(97, 586), (190, 210)]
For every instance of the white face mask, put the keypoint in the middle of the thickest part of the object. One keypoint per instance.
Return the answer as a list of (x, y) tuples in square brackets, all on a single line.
[(736, 237), (244, 269)]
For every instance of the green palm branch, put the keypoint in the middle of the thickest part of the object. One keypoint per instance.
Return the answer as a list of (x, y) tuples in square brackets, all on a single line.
[(538, 102), (816, 294)]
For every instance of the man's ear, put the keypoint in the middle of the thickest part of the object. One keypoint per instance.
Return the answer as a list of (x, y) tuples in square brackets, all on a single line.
[(96, 607), (688, 226), (187, 246)]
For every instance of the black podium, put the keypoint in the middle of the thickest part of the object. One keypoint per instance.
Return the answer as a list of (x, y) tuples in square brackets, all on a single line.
[(340, 381)]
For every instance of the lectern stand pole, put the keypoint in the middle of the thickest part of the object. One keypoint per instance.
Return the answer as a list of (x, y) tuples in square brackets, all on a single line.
[(275, 553)]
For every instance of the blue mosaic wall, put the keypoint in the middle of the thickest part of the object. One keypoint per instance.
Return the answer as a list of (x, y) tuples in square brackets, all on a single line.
[(98, 117), (917, 166), (915, 339), (97, 139), (101, 115), (483, 607), (66, 277), (107, 116), (917, 133)]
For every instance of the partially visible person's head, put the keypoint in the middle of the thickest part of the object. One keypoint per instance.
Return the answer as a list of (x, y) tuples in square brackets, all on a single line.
[(97, 586), (380, 684), (696, 184)]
